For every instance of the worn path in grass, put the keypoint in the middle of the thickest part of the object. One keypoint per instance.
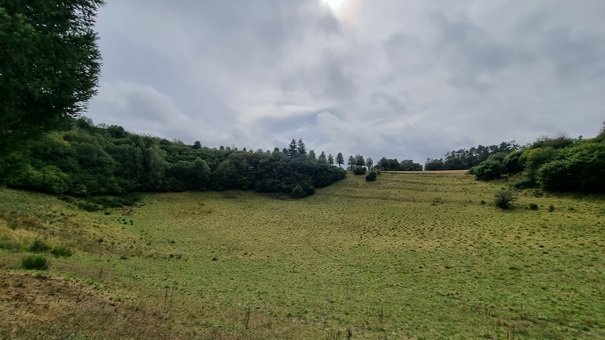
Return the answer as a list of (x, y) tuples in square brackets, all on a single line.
[(413, 255)]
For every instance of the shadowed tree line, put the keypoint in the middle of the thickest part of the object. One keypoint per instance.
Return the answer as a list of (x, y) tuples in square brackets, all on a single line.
[(83, 159)]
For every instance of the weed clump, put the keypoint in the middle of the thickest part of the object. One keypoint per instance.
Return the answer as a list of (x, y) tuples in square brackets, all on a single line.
[(61, 251), (532, 206), (503, 199), (38, 246), (523, 183), (35, 262)]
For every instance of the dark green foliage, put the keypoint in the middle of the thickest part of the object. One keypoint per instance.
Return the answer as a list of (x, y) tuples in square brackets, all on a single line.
[(532, 206), (488, 170), (371, 176), (39, 246), (534, 158), (394, 165), (61, 251), (49, 65), (359, 160), (351, 162), (434, 164), (359, 170), (503, 199), (554, 164), (340, 159), (297, 192), (101, 165), (35, 262), (579, 168), (513, 162), (455, 163), (559, 142), (87, 206), (409, 165), (468, 158)]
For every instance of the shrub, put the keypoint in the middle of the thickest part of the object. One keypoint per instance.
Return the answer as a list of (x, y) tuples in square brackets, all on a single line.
[(523, 183), (371, 176), (532, 206), (512, 162), (61, 251), (359, 170), (35, 262), (38, 246), (503, 199), (488, 170)]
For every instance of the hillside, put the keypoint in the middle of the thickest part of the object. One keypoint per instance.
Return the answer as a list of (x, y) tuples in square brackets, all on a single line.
[(412, 255)]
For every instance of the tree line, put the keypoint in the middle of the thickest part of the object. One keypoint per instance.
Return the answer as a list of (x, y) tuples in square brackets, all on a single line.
[(555, 164), (85, 159), (465, 159)]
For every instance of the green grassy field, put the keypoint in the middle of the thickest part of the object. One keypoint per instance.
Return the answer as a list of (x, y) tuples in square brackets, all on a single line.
[(413, 255)]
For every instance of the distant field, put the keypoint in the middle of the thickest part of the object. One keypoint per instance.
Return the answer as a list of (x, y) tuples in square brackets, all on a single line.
[(413, 255)]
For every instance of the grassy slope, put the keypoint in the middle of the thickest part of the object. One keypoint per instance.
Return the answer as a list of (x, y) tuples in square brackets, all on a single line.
[(412, 255)]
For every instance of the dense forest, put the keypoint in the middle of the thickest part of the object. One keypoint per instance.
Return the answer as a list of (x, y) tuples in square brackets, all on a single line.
[(83, 159), (554, 164)]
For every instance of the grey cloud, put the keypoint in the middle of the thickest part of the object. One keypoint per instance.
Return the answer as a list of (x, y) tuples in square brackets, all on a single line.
[(405, 79)]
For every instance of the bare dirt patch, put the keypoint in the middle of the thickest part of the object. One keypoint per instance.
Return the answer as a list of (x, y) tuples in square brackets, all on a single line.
[(39, 306)]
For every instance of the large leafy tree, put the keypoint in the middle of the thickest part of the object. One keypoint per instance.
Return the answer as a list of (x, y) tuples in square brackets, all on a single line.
[(49, 64)]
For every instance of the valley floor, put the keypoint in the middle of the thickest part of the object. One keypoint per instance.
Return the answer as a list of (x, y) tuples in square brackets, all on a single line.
[(413, 255)]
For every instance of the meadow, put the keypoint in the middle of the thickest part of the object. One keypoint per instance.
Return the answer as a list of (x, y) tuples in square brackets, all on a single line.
[(411, 256)]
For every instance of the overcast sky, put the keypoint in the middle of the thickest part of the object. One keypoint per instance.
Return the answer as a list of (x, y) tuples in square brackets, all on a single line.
[(406, 79)]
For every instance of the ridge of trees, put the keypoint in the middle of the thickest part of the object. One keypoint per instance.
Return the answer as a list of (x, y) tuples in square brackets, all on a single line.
[(554, 164), (465, 159), (84, 159)]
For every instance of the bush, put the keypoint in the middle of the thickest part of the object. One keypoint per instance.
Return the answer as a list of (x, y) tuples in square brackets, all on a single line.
[(39, 246), (532, 206), (513, 163), (371, 176), (488, 170), (579, 168), (35, 262), (359, 170), (503, 199)]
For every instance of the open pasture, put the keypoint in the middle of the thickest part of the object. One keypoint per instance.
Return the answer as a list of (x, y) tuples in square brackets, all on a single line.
[(412, 255)]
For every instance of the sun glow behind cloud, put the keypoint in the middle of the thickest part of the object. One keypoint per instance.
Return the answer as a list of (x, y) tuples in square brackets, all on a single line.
[(342, 9), (333, 4)]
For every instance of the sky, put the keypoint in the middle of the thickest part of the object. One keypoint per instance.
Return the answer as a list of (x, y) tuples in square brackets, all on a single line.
[(399, 79)]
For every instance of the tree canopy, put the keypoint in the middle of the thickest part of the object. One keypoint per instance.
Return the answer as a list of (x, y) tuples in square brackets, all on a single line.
[(49, 65), (84, 159)]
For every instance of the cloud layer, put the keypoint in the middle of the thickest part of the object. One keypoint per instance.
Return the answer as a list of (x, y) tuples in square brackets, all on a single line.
[(405, 79)]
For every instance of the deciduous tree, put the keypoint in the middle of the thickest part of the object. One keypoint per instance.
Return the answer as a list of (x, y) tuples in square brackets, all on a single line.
[(49, 64)]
